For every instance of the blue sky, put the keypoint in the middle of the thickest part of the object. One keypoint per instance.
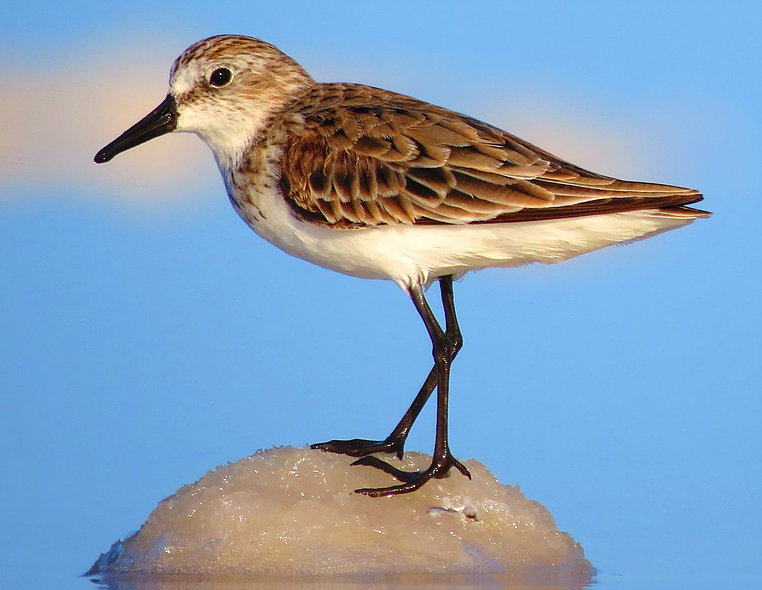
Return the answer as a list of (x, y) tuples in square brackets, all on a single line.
[(147, 335)]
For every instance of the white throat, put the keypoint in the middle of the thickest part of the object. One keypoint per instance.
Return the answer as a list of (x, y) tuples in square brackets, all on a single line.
[(227, 136)]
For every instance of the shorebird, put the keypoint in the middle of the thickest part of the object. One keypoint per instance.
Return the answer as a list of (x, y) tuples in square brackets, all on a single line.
[(379, 185)]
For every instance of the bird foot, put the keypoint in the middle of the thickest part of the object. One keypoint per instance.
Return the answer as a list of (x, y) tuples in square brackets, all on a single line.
[(360, 447), (411, 480)]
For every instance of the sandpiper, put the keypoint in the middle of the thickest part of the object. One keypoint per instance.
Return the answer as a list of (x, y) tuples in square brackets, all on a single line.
[(376, 184)]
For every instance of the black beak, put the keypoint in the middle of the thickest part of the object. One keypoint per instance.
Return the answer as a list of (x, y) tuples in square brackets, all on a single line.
[(159, 121)]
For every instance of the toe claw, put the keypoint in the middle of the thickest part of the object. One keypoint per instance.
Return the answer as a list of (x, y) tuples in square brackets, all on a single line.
[(411, 480), (360, 447), (462, 468)]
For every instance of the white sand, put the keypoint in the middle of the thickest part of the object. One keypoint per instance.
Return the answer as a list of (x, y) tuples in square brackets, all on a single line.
[(291, 511)]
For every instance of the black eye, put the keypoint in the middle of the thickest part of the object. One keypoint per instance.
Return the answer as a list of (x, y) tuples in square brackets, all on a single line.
[(220, 77)]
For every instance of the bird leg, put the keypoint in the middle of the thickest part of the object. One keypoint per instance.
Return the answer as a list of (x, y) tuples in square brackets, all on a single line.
[(445, 346), (395, 442)]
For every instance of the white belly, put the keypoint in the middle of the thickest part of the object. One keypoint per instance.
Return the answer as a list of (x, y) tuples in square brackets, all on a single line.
[(421, 253)]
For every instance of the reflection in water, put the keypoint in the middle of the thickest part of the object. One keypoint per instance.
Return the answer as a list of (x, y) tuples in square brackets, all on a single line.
[(527, 578)]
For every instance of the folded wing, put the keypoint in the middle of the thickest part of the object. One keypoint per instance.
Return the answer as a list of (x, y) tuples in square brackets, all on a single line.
[(361, 157)]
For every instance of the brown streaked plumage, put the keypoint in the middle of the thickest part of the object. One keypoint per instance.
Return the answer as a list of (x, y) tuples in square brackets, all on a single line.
[(375, 184), (363, 157)]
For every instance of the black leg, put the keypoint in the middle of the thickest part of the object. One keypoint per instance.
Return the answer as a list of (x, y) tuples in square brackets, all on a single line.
[(395, 442), (445, 346)]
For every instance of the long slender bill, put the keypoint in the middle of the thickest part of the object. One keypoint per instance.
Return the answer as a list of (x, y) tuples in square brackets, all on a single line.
[(159, 121)]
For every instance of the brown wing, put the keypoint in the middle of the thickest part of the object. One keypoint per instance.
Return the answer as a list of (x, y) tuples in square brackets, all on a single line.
[(365, 157)]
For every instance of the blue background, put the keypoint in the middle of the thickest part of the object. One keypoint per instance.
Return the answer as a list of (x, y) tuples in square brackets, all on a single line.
[(147, 335)]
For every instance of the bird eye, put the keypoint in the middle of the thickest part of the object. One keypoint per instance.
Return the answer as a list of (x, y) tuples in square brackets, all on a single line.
[(220, 77)]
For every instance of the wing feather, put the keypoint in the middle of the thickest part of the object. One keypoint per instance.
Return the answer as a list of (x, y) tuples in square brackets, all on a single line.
[(357, 156)]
